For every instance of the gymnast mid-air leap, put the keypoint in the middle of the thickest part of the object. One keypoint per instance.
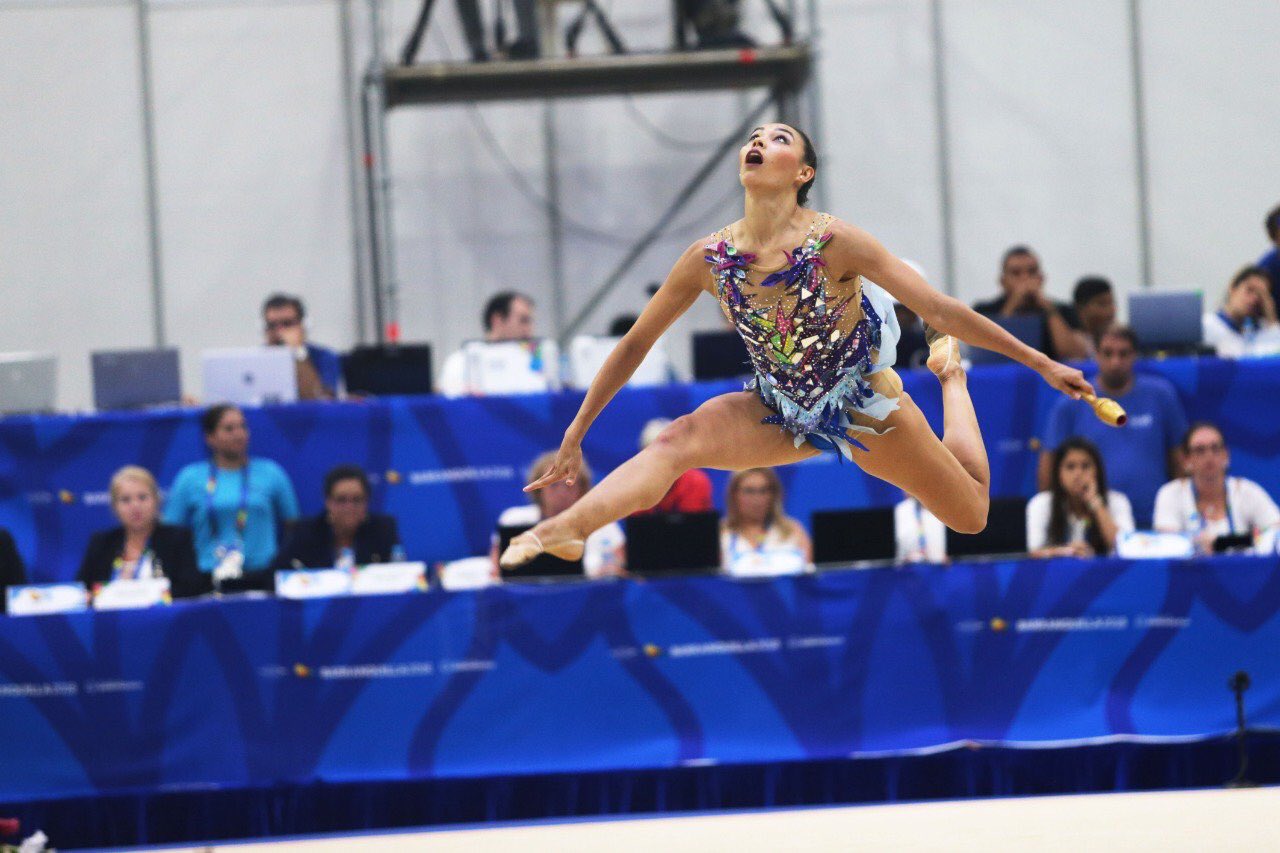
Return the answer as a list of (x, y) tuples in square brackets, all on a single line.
[(821, 341)]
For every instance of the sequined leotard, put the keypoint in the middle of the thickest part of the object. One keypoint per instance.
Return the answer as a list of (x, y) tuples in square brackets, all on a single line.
[(812, 345)]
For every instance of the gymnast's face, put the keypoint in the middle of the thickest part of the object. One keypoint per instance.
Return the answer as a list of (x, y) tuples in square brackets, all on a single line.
[(773, 159)]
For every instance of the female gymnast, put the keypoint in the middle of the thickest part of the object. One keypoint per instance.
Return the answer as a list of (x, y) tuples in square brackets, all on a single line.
[(821, 342)]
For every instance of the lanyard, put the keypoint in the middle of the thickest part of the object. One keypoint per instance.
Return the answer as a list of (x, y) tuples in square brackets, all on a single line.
[(146, 560), (1226, 505), (242, 513), (921, 540)]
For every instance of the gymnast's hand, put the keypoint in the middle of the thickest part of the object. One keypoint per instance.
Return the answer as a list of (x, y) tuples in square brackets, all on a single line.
[(567, 464), (1066, 379)]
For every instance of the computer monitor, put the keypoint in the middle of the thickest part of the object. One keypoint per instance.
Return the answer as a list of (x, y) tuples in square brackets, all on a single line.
[(673, 543), (388, 369), (134, 379), (28, 382), (1028, 328), (588, 352), (719, 355), (541, 566), (853, 535), (1006, 532), (512, 367), (1167, 320), (250, 376)]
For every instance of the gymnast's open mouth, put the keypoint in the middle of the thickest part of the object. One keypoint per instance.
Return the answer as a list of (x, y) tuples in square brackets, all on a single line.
[(754, 157)]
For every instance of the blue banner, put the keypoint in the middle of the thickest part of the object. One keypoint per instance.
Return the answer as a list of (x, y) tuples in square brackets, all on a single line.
[(629, 674), (447, 468)]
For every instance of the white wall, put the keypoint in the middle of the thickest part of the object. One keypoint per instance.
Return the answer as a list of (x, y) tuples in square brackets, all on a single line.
[(253, 162)]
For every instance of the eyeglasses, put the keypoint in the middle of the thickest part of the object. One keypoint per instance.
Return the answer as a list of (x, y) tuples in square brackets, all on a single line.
[(272, 325), (1203, 449), (348, 500)]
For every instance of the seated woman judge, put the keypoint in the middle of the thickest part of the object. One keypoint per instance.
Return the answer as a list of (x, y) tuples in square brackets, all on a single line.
[(346, 534), (757, 537), (1078, 516), (141, 547)]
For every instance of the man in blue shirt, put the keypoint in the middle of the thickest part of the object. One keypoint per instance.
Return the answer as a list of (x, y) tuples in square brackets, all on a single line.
[(1139, 457), (1271, 260), (318, 369)]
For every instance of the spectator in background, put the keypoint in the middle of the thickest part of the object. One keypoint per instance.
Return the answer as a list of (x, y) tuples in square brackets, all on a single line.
[(1022, 281), (12, 570), (235, 505), (1270, 262), (920, 536), (757, 537), (345, 535), (508, 316), (1141, 456), (318, 369), (1095, 306), (141, 547), (1246, 324), (691, 492), (605, 554), (1207, 503), (1077, 516)]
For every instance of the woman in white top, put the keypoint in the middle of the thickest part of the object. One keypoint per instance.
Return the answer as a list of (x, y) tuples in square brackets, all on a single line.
[(757, 537), (1207, 503), (605, 554), (1246, 326), (1078, 516)]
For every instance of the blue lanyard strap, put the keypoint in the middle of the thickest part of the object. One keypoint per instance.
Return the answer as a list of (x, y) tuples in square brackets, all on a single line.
[(1226, 505), (242, 512)]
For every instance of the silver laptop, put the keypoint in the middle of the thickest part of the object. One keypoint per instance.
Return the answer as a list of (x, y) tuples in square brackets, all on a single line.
[(134, 379), (250, 376), (1167, 319), (512, 367), (28, 382)]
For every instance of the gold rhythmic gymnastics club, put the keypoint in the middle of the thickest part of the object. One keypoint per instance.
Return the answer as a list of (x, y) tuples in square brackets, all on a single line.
[(1107, 410)]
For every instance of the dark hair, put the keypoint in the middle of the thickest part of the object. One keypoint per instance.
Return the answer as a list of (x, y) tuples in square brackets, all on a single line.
[(1247, 273), (1088, 288), (622, 324), (1014, 252), (1195, 427), (810, 159), (1120, 332), (1273, 222), (338, 473), (499, 306), (1058, 514), (284, 300), (213, 416)]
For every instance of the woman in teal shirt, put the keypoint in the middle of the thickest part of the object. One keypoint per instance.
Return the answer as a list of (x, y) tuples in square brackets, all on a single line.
[(235, 505)]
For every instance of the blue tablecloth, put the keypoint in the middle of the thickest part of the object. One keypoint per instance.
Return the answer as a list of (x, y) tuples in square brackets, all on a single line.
[(629, 675), (447, 468)]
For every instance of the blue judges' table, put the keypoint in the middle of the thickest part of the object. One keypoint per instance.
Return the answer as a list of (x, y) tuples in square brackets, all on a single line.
[(447, 468), (631, 675)]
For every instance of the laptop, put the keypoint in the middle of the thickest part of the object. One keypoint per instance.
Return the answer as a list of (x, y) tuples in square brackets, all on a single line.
[(541, 566), (719, 355), (1006, 532), (389, 369), (28, 382), (673, 543), (587, 354), (133, 379), (1167, 320), (1028, 328), (853, 535), (249, 376), (512, 367)]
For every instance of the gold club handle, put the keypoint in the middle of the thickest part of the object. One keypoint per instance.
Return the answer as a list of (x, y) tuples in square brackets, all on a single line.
[(1107, 410)]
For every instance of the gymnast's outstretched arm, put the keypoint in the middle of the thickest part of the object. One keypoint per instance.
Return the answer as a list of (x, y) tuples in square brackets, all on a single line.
[(677, 293)]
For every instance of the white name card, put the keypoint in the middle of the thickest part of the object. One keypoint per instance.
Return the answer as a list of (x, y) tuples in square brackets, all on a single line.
[(132, 594), (39, 599), (312, 583), (1152, 545), (389, 578)]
